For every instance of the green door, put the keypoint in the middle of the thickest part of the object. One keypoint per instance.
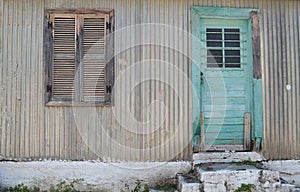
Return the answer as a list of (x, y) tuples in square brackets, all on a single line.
[(225, 82)]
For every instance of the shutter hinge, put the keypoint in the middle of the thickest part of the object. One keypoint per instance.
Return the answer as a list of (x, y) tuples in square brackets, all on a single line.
[(49, 88), (108, 26), (50, 25), (108, 88)]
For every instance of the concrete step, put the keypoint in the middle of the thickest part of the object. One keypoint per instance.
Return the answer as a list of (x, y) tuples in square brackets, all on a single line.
[(226, 157)]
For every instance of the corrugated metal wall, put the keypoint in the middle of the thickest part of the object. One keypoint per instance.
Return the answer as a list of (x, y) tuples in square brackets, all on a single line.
[(280, 39), (32, 130), (29, 129)]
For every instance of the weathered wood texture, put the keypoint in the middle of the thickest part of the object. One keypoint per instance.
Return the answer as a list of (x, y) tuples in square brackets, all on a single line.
[(31, 130), (247, 131), (257, 73), (202, 136)]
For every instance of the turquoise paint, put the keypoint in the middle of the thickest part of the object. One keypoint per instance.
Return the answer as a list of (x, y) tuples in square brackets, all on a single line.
[(196, 71), (227, 121), (257, 132), (219, 114), (238, 136), (196, 105), (249, 70), (227, 83), (259, 142), (224, 141), (214, 12), (196, 96), (198, 13)]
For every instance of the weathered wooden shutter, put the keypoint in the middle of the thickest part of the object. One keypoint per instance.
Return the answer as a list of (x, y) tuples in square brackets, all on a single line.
[(109, 57), (79, 54), (93, 57), (48, 50), (64, 48)]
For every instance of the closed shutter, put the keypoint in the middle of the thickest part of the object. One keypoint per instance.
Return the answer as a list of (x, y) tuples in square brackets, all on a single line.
[(63, 69), (93, 57), (76, 52)]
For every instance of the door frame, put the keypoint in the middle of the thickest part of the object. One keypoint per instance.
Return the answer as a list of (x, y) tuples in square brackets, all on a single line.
[(254, 140)]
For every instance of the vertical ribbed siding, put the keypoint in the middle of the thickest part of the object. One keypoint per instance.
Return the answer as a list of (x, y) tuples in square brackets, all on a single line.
[(2, 90), (21, 76), (280, 35), (29, 129), (32, 130)]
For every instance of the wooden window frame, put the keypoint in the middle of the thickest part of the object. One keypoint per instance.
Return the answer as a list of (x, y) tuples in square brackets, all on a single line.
[(77, 98)]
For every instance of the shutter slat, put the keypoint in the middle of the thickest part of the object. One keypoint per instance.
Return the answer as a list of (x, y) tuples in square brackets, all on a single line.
[(64, 57), (94, 58)]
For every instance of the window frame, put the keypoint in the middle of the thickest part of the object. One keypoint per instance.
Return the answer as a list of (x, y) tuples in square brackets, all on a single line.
[(77, 98), (226, 24)]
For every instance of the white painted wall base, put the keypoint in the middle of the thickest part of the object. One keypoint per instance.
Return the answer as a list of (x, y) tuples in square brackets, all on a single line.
[(97, 176)]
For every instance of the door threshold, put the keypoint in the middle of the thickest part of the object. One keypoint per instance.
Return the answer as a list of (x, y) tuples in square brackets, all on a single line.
[(224, 148), (226, 151)]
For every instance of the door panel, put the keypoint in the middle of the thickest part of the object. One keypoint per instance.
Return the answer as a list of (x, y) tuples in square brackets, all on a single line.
[(225, 83)]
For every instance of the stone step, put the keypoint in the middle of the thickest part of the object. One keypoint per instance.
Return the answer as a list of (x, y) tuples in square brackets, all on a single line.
[(230, 177), (230, 171), (187, 183), (226, 157)]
